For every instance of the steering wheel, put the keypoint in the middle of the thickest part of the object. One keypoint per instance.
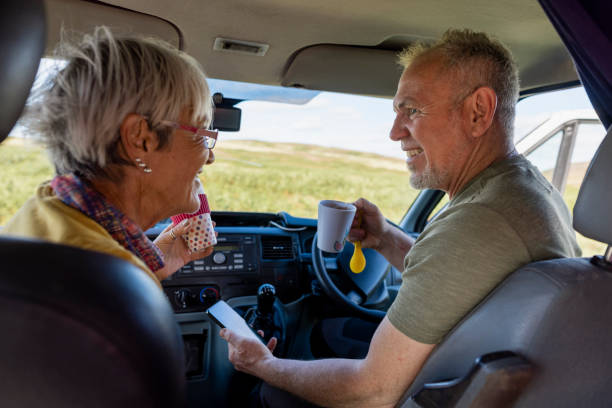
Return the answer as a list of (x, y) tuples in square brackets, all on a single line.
[(362, 285)]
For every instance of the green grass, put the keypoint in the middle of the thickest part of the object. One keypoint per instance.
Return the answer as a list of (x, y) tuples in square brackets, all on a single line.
[(249, 176), (265, 177), (23, 167), (269, 177)]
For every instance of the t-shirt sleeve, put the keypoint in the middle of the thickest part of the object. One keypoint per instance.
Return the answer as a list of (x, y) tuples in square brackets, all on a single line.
[(454, 264)]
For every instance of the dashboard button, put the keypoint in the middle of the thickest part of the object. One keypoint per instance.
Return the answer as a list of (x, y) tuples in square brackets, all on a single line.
[(219, 258)]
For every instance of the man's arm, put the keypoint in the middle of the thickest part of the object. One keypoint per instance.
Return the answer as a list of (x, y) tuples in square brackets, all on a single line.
[(395, 247), (379, 380)]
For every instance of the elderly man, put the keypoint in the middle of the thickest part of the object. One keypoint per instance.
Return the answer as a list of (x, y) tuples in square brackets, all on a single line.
[(454, 107)]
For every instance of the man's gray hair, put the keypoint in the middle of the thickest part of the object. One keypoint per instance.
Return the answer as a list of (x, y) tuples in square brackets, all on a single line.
[(78, 112), (477, 60)]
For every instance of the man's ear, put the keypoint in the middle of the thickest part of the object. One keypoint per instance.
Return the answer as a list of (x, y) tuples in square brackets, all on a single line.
[(136, 137), (482, 105)]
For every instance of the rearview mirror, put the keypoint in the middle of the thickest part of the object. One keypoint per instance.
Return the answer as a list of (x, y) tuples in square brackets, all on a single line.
[(227, 119), (226, 116)]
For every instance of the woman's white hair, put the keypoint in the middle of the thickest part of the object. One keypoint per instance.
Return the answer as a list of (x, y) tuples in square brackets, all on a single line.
[(78, 111)]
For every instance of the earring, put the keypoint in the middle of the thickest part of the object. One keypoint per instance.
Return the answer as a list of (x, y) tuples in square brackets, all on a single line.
[(142, 165)]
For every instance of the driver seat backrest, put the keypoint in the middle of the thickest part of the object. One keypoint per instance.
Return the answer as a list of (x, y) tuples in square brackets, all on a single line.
[(556, 314), (79, 328)]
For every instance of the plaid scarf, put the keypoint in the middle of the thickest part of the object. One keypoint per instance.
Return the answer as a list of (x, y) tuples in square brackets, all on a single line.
[(76, 193)]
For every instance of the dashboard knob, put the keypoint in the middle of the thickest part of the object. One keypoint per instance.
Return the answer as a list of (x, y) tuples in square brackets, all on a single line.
[(182, 298), (209, 295), (219, 258)]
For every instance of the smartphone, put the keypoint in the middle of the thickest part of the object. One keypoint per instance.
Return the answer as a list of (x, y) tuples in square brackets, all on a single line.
[(223, 314)]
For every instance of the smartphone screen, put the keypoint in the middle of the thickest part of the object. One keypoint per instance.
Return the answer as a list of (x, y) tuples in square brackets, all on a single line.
[(223, 314)]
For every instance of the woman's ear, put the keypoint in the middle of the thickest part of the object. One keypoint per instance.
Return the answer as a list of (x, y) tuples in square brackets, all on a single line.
[(482, 105), (136, 137)]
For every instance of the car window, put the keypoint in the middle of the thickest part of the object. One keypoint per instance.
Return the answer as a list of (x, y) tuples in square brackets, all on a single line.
[(544, 156), (570, 133)]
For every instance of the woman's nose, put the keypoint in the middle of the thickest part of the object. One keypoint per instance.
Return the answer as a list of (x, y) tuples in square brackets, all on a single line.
[(211, 157)]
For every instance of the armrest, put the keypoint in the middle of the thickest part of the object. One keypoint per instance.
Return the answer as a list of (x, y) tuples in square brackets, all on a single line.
[(495, 380)]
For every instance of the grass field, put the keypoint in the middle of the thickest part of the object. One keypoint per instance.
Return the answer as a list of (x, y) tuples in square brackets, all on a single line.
[(266, 177), (249, 176)]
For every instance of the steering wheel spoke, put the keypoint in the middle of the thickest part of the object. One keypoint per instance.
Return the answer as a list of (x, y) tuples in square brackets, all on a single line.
[(355, 297)]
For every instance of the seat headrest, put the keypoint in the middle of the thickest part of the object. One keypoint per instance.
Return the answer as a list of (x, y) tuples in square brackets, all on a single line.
[(84, 329), (23, 31), (593, 209)]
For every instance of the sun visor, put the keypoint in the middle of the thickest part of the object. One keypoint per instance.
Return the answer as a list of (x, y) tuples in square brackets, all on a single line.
[(341, 68), (76, 16)]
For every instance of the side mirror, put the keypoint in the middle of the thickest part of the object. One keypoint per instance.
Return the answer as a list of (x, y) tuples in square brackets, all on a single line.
[(226, 116)]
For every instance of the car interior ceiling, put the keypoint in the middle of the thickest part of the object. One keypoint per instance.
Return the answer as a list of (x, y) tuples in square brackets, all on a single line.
[(522, 25), (540, 333)]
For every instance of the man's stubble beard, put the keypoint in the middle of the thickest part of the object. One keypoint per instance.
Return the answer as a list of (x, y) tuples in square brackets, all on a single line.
[(429, 178)]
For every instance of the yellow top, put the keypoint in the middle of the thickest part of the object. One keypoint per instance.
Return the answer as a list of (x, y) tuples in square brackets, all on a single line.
[(45, 216)]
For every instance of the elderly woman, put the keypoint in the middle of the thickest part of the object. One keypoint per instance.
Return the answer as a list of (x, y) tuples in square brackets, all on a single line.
[(125, 123)]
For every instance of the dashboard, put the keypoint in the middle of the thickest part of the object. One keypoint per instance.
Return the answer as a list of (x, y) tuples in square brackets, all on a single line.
[(251, 249)]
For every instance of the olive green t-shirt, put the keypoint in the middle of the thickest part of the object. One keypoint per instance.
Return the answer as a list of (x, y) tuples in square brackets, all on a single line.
[(507, 216)]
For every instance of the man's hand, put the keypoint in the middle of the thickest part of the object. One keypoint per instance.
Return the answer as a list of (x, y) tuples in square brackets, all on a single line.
[(372, 229), (369, 225), (247, 354), (176, 253)]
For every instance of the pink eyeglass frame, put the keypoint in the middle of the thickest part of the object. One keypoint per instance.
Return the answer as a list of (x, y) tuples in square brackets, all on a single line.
[(207, 133)]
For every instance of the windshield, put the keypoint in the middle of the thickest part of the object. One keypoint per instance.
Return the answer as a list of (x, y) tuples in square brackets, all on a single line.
[(288, 157), (297, 147)]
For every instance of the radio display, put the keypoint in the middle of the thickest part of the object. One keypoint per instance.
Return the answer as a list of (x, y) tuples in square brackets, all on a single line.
[(227, 247)]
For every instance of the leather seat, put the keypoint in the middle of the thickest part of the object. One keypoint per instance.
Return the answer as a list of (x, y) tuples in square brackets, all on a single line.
[(555, 314), (79, 328)]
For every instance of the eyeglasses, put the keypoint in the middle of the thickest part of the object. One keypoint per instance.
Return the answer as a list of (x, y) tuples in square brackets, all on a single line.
[(209, 136)]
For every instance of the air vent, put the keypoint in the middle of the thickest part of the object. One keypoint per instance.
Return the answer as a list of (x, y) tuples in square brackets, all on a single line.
[(240, 47), (275, 247)]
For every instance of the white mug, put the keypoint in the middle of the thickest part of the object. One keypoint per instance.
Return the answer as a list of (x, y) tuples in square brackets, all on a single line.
[(334, 222)]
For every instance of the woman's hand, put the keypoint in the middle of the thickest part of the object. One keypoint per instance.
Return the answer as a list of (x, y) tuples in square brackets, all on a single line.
[(176, 253)]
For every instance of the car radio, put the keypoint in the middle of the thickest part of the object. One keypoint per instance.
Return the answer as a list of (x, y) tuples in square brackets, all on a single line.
[(233, 253)]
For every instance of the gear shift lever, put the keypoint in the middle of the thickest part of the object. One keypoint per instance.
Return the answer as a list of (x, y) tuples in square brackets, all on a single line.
[(265, 299), (262, 316)]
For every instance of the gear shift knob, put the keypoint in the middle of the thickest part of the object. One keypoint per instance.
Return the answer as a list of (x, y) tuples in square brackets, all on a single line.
[(265, 298)]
